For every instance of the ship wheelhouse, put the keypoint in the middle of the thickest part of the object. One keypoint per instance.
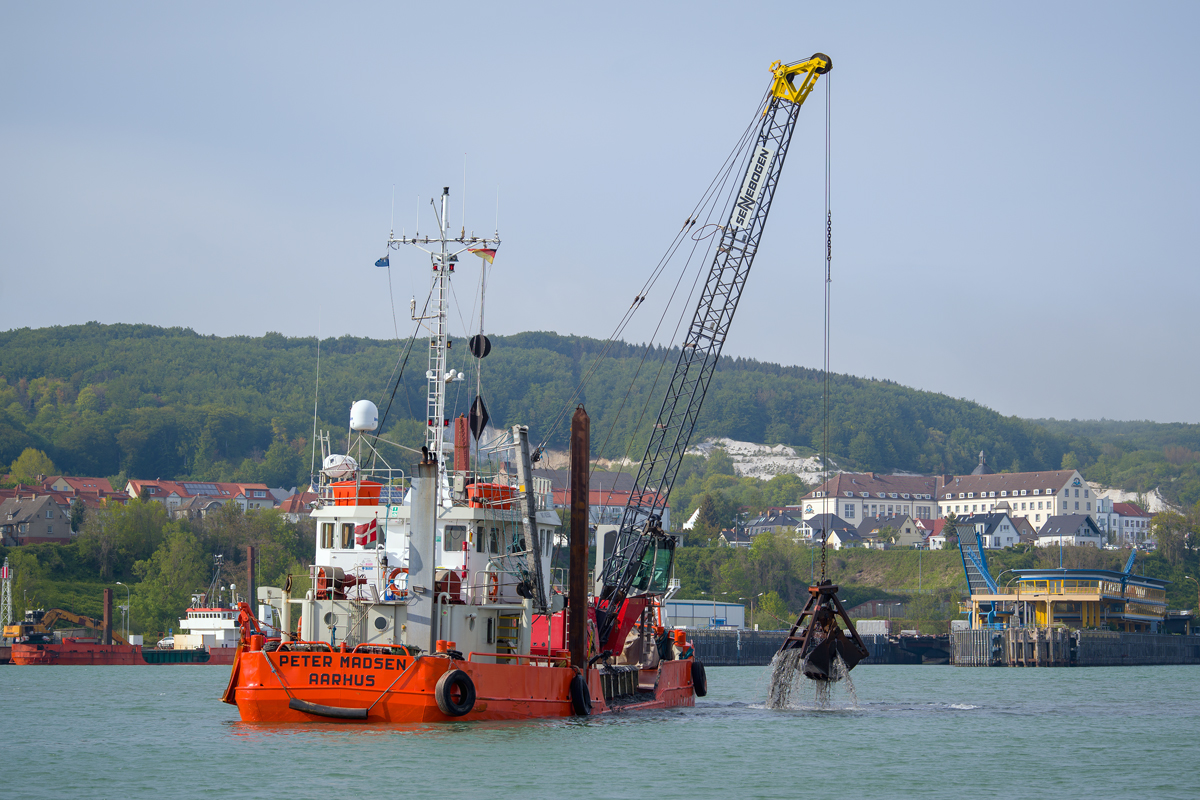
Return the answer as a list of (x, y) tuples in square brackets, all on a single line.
[(361, 588)]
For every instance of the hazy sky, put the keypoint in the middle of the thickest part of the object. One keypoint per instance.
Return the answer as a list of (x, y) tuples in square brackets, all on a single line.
[(1014, 185)]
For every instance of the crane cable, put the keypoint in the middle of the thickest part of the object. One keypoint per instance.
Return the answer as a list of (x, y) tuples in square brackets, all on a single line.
[(710, 196), (828, 280), (716, 192)]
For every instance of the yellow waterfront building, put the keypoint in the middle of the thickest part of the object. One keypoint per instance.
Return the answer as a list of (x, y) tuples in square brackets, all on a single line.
[(1083, 599)]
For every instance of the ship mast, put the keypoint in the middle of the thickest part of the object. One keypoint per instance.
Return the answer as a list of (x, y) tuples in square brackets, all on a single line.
[(443, 251)]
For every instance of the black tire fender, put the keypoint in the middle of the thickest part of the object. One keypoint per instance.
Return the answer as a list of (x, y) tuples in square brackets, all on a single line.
[(699, 679), (581, 697), (455, 693)]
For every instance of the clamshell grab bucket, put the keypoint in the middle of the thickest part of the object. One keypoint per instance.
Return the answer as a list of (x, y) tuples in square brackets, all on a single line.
[(821, 640)]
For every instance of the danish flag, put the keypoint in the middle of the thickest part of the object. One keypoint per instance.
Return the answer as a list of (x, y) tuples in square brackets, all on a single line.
[(367, 533)]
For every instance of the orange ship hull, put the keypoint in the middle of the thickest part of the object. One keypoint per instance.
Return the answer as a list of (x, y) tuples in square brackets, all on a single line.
[(76, 653), (264, 685), (221, 656)]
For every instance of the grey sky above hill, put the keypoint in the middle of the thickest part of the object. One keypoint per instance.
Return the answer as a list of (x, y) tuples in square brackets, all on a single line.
[(1014, 185)]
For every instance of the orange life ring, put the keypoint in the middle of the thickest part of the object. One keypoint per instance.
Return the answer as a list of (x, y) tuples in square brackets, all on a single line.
[(493, 586), (395, 587)]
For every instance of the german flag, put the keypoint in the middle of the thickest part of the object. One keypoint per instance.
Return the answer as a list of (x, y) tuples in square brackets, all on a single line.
[(485, 253)]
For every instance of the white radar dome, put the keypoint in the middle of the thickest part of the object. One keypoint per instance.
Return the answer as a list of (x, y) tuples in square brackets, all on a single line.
[(339, 466), (364, 416)]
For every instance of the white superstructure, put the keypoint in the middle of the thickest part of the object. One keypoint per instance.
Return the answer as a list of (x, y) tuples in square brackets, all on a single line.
[(452, 548)]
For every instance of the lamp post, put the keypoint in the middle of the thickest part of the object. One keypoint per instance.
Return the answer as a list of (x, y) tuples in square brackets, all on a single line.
[(1017, 602), (1001, 575), (125, 611), (712, 621), (751, 599)]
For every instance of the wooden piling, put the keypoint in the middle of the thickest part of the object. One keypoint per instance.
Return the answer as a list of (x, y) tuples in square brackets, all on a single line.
[(577, 580)]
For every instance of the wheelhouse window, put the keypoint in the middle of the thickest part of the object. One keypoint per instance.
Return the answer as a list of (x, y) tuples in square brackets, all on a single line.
[(327, 535), (347, 535), (453, 537)]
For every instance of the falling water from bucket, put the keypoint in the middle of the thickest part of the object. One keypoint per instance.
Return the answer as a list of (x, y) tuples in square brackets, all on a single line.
[(789, 685), (818, 649)]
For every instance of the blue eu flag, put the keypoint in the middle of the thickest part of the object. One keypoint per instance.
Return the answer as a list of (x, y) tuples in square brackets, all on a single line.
[(383, 262)]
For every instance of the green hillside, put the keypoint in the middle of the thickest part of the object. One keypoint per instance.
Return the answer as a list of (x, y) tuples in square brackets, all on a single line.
[(1137, 455), (168, 402), (158, 402)]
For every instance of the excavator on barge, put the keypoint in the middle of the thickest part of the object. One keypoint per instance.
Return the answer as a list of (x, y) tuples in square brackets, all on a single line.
[(433, 597)]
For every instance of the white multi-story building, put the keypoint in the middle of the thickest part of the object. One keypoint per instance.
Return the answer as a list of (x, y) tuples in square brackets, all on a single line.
[(1036, 496), (1108, 520), (996, 530), (1133, 524), (856, 496), (1030, 496)]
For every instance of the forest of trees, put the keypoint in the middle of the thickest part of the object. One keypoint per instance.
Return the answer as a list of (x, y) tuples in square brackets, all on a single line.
[(150, 402)]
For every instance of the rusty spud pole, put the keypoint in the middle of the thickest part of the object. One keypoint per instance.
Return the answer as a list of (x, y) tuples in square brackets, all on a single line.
[(577, 588)]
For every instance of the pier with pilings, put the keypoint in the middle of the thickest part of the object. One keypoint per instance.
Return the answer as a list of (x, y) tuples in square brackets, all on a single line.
[(1062, 647)]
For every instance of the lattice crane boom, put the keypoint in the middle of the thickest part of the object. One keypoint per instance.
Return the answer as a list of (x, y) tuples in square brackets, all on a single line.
[(640, 537)]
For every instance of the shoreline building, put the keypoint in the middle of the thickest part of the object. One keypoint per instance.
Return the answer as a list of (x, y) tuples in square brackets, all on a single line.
[(1133, 524), (996, 530), (858, 496), (174, 494), (1034, 496), (1082, 599), (1028, 499), (34, 519), (1075, 530)]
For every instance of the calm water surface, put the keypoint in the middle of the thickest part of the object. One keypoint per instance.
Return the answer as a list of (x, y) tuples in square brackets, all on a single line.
[(931, 732)]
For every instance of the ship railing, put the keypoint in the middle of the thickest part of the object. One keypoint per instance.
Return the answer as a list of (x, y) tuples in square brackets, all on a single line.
[(559, 580), (390, 586), (388, 486), (1070, 586), (492, 587), (304, 646), (373, 487), (535, 660)]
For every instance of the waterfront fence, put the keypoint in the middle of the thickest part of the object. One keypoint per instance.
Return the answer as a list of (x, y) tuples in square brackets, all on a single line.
[(1111, 649), (718, 648)]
